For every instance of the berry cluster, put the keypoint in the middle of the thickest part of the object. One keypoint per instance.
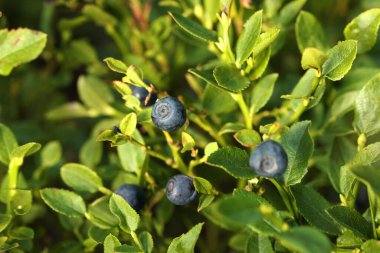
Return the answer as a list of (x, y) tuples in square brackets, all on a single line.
[(268, 159)]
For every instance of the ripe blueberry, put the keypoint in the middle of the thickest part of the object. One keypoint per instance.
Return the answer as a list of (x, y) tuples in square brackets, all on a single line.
[(116, 130), (141, 93), (180, 190), (269, 159), (133, 194), (168, 114)]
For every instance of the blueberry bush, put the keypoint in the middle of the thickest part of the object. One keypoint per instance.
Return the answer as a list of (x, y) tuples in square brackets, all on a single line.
[(189, 126)]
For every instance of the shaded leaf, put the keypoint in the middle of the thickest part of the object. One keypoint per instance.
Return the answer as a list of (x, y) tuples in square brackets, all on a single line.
[(261, 93), (312, 207), (194, 28)]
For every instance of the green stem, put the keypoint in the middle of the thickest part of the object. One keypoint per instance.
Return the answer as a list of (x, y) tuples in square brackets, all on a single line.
[(244, 109), (105, 190), (207, 128), (12, 182), (371, 198), (179, 164), (157, 155), (289, 119), (284, 196), (136, 239), (117, 39)]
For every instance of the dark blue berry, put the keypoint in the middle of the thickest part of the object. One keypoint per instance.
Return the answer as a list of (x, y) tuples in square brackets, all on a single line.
[(133, 194), (116, 130), (269, 159), (168, 114), (180, 190), (141, 93)]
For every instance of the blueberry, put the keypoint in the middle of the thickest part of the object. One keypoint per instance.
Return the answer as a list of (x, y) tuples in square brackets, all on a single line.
[(180, 190), (116, 130), (133, 194), (168, 114), (141, 93), (269, 159)]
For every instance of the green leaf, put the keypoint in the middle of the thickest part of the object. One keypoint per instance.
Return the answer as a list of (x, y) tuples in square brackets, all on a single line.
[(51, 154), (364, 29), (19, 46), (127, 249), (116, 65), (18, 154), (260, 64), (265, 40), (64, 202), (261, 93), (128, 218), (99, 235), (80, 178), (5, 219), (128, 124), (312, 207), (371, 246), (210, 148), (202, 185), (146, 241), (206, 75), (299, 147), (369, 176), (339, 60), (205, 201), (229, 77), (122, 88), (187, 142), (249, 36), (313, 58), (235, 211), (21, 202), (110, 243), (304, 87), (247, 137), (91, 152), (351, 219), (257, 243), (217, 100), (21, 233), (95, 94), (367, 108), (100, 215), (309, 32), (233, 160), (342, 105), (131, 155), (365, 157), (8, 143), (290, 10), (194, 28), (304, 239), (186, 242), (231, 127), (69, 110), (99, 16)]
